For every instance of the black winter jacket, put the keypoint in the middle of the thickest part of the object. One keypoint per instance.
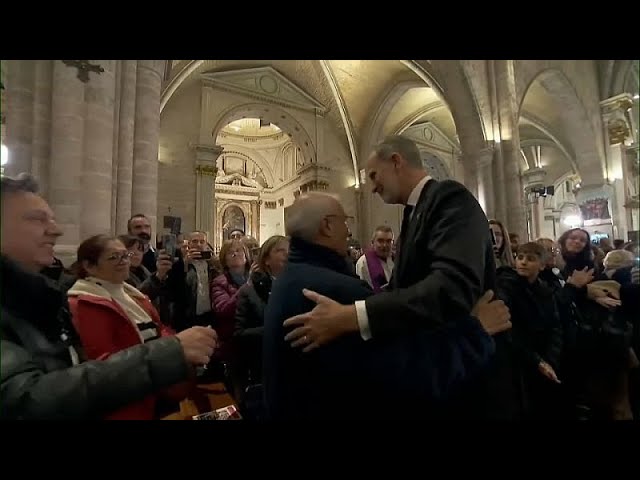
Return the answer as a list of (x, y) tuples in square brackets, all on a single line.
[(38, 378)]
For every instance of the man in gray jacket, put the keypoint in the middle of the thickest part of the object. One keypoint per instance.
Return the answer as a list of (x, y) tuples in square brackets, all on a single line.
[(42, 372)]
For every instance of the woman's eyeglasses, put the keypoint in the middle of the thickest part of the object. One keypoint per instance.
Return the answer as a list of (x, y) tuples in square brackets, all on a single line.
[(120, 257)]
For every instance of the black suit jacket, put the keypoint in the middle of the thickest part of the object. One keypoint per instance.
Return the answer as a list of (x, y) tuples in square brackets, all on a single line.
[(351, 378), (444, 265)]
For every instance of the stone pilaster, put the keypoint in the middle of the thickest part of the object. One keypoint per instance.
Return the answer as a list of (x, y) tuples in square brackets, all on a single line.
[(125, 143), (255, 221), (98, 152), (618, 131), (470, 173), (41, 150), (507, 141), (532, 180), (146, 139), (486, 193), (206, 156)]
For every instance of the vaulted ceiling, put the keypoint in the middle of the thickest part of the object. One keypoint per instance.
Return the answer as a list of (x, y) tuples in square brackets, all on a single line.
[(357, 87)]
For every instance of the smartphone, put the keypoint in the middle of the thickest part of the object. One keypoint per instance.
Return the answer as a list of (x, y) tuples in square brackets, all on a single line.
[(493, 238), (205, 254), (169, 242)]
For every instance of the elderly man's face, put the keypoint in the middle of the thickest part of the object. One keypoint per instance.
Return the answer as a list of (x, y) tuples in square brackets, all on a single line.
[(29, 230), (338, 228)]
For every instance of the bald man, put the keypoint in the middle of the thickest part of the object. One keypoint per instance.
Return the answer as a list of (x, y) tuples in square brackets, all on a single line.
[(352, 378)]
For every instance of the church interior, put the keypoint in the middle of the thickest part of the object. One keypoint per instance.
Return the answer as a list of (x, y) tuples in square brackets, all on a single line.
[(222, 144), (216, 147)]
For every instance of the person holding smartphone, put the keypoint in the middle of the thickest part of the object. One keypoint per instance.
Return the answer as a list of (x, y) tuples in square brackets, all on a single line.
[(200, 270)]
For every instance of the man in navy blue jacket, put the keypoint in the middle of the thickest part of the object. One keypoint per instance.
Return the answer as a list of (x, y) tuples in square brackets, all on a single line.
[(350, 378)]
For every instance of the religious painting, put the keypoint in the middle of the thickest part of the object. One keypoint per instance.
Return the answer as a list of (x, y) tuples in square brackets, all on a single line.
[(595, 209), (594, 205), (232, 219)]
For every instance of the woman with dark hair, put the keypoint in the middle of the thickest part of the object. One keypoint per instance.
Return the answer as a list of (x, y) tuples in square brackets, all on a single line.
[(575, 247), (235, 263), (111, 315), (249, 318), (502, 245)]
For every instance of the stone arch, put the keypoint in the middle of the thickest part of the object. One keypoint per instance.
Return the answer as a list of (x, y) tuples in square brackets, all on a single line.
[(373, 131), (289, 125), (222, 205), (450, 82), (233, 218), (579, 129), (460, 102), (175, 82), (256, 157), (288, 169)]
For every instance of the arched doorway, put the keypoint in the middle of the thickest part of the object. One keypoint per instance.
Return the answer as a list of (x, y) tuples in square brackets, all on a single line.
[(257, 173), (233, 219)]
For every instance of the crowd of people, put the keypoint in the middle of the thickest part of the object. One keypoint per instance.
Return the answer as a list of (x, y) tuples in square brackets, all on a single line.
[(453, 319)]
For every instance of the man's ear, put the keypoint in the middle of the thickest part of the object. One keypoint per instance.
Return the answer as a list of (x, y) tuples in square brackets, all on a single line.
[(396, 159)]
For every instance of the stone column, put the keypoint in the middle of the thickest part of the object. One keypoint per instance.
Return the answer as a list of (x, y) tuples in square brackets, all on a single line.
[(125, 143), (98, 152), (486, 193), (67, 150), (146, 139), (631, 173), (533, 179), (19, 126), (618, 131), (508, 143), (255, 220), (41, 150), (206, 156), (470, 173)]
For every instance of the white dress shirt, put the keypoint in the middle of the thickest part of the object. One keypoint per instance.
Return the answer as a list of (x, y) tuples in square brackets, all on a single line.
[(361, 306)]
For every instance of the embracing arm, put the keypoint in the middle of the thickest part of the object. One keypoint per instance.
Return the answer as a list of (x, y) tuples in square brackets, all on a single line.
[(457, 247)]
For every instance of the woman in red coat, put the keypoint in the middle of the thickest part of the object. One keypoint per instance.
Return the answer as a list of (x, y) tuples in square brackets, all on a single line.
[(111, 315)]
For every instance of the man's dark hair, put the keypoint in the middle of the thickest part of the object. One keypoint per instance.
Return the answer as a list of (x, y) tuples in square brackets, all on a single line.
[(618, 243), (133, 217), (24, 182)]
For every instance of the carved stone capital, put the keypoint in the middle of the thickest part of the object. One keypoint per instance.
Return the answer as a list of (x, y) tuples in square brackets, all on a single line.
[(207, 154), (206, 170), (622, 102), (615, 114), (533, 178)]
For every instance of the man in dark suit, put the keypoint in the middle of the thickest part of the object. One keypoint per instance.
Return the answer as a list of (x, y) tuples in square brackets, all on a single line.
[(352, 378), (444, 261)]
